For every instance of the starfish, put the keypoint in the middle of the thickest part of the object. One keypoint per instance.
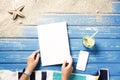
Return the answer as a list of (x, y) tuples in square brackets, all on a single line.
[(17, 12)]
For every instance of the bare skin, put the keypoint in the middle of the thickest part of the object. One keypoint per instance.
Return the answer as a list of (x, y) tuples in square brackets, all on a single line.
[(66, 70), (31, 64), (33, 59)]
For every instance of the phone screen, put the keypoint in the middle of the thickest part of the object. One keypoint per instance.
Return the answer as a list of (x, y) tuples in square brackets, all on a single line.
[(104, 75)]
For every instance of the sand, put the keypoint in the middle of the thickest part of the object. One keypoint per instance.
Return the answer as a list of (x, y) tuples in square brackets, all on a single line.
[(35, 8)]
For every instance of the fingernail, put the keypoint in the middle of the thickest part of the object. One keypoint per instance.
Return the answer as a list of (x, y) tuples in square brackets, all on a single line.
[(39, 55)]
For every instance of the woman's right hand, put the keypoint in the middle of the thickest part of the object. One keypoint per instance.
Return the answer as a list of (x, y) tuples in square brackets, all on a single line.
[(66, 69)]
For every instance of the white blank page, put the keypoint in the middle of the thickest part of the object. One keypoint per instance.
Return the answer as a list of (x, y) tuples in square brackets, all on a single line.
[(53, 42)]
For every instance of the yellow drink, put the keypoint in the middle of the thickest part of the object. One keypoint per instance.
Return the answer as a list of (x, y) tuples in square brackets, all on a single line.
[(88, 42)]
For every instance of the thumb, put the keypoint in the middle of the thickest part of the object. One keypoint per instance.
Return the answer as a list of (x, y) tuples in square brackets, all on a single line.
[(37, 58), (64, 64)]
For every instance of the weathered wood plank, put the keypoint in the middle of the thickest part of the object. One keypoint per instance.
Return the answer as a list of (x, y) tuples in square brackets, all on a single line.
[(105, 55), (14, 56), (74, 32), (75, 44), (101, 44), (114, 77), (95, 56), (116, 7), (99, 56), (103, 32), (12, 67), (82, 19), (91, 68), (19, 44), (19, 67)]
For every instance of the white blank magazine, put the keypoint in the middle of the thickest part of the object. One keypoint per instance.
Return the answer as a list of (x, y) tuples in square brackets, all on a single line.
[(54, 44)]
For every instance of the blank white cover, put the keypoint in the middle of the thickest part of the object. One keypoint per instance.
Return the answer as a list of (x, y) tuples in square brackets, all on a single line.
[(53, 42)]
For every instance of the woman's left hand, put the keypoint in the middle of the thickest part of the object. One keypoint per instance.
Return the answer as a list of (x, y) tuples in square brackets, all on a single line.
[(32, 61)]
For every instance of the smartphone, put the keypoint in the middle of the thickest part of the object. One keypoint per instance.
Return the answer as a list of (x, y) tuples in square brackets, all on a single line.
[(82, 60), (104, 74)]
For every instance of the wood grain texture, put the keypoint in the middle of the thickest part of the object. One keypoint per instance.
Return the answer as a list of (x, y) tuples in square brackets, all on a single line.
[(82, 19), (116, 6), (106, 53), (91, 68), (75, 44), (73, 32), (95, 56)]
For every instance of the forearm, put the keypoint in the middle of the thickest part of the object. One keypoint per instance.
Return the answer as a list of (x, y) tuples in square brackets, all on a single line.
[(24, 77), (64, 78), (26, 74), (31, 64)]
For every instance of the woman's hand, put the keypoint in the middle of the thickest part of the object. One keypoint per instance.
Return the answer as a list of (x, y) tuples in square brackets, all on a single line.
[(66, 69), (31, 64), (32, 61)]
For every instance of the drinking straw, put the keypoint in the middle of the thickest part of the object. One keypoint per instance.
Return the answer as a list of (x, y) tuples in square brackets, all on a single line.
[(94, 34)]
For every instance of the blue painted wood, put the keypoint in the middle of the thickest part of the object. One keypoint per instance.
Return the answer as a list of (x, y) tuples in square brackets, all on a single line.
[(114, 77), (101, 44), (99, 56), (106, 53), (103, 32), (14, 56), (19, 44), (80, 31), (12, 67), (82, 19), (74, 32), (91, 68), (116, 7), (75, 44), (19, 67), (95, 56)]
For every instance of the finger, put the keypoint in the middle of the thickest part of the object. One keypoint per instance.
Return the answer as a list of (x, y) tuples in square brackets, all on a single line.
[(64, 64), (34, 53), (37, 51), (37, 58), (70, 63)]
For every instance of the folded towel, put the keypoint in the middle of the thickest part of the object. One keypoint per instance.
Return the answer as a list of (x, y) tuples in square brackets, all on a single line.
[(47, 75)]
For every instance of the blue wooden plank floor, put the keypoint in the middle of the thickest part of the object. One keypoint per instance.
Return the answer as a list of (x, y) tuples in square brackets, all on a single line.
[(106, 53)]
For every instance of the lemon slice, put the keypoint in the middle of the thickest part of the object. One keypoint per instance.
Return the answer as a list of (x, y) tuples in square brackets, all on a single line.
[(88, 42)]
